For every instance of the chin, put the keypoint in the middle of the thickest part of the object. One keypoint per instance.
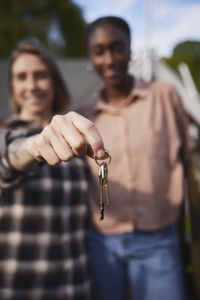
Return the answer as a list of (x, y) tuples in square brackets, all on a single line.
[(114, 82), (37, 110)]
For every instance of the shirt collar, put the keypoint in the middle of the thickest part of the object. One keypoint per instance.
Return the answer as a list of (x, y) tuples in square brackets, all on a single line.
[(138, 92)]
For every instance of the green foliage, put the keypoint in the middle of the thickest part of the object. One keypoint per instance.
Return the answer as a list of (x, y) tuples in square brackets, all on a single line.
[(58, 24), (188, 52)]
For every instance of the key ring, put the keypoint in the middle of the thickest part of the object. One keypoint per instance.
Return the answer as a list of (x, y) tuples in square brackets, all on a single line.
[(109, 159)]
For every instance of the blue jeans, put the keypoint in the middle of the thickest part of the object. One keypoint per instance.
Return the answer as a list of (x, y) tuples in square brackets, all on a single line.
[(148, 261)]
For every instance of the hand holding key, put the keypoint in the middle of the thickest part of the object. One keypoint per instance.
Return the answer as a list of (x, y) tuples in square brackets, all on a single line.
[(103, 181)]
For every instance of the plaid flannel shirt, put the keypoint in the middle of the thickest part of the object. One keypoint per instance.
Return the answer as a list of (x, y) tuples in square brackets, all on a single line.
[(42, 230)]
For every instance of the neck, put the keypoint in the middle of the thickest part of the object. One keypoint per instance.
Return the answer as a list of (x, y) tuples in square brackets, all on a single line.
[(40, 120), (117, 94)]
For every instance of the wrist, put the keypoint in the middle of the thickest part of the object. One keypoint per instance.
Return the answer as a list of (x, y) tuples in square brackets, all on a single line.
[(21, 154)]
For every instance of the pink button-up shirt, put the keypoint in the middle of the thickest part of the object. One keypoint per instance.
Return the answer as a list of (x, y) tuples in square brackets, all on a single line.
[(145, 136)]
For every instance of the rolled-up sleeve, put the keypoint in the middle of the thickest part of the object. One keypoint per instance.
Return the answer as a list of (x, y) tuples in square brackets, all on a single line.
[(9, 177)]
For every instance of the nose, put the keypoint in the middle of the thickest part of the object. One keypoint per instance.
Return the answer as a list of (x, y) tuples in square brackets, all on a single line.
[(109, 58), (31, 83)]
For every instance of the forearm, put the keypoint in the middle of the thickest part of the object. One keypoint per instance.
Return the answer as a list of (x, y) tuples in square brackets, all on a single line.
[(19, 155), (15, 159)]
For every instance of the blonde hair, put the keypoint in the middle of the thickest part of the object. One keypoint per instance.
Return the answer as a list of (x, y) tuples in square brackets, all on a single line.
[(62, 95)]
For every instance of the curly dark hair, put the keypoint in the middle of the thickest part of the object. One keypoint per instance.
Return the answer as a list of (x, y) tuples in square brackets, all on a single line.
[(108, 20)]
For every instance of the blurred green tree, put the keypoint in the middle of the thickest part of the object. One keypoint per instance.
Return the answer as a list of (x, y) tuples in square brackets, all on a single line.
[(58, 24), (188, 52)]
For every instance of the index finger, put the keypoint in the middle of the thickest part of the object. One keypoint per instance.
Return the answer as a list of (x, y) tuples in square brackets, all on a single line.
[(91, 133)]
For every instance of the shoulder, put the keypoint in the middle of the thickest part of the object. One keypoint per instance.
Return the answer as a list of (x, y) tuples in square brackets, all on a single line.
[(162, 87), (87, 107), (165, 92), (13, 122)]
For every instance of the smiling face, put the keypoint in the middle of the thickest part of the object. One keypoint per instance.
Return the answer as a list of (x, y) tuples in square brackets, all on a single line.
[(32, 87), (109, 52)]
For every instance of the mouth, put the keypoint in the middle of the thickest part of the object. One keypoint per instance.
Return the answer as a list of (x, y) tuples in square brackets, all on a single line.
[(35, 100), (111, 73)]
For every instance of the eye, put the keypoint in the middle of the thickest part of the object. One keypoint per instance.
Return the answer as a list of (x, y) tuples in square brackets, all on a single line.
[(21, 76), (98, 51), (41, 75), (118, 48)]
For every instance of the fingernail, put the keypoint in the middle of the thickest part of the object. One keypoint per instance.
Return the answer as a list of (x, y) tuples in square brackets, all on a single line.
[(101, 153)]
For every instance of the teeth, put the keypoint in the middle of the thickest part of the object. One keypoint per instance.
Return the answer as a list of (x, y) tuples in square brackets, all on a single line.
[(33, 99)]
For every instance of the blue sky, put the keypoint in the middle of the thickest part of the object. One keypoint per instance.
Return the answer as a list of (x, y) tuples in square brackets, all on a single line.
[(170, 21)]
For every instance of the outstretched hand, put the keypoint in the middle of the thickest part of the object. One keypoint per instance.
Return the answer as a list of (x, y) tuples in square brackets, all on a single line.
[(67, 136)]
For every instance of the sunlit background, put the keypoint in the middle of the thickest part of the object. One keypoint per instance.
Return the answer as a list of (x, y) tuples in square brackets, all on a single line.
[(165, 41), (160, 24)]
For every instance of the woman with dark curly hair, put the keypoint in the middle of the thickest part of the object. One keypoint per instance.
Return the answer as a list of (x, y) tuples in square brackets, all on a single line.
[(143, 127)]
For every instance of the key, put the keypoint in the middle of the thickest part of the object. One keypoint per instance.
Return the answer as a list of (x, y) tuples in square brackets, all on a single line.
[(103, 172), (101, 212), (101, 183), (106, 183)]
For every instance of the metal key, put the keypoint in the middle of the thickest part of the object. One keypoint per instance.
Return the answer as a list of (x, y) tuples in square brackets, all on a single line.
[(106, 183), (103, 182)]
